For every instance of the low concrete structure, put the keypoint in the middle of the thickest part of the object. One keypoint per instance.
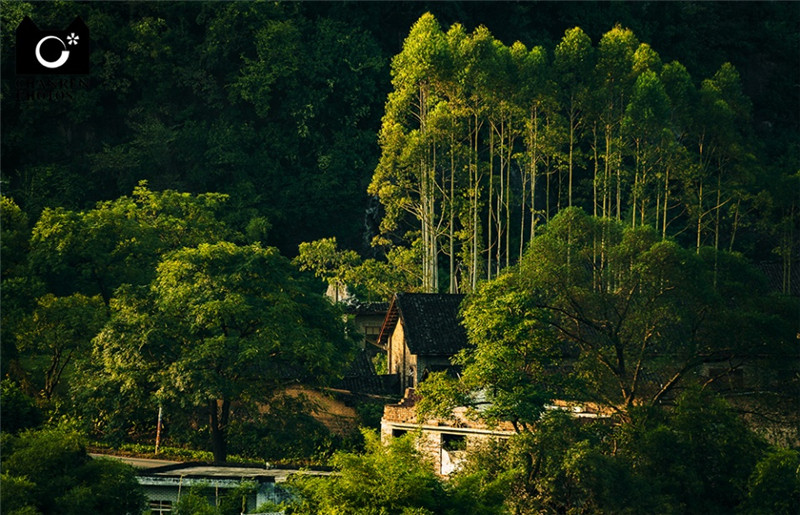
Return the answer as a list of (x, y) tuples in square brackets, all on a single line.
[(163, 486), (164, 481)]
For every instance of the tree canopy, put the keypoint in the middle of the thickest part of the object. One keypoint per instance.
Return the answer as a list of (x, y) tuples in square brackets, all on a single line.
[(219, 325), (482, 142), (601, 312), (49, 471)]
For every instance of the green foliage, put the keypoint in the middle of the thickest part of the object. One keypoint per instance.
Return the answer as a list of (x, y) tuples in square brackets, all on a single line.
[(203, 500), (19, 288), (17, 495), (325, 260), (699, 455), (19, 411), (195, 502), (15, 235), (439, 394), (483, 141), (370, 412), (58, 332), (121, 241), (49, 471), (695, 458), (774, 485), (634, 315), (284, 109), (221, 324), (366, 279), (284, 431), (390, 478)]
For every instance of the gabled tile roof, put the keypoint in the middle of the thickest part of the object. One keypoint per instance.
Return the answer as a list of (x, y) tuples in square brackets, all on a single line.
[(431, 323)]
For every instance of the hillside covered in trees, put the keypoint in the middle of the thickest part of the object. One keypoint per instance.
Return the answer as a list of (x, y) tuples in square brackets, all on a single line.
[(616, 182), (280, 106)]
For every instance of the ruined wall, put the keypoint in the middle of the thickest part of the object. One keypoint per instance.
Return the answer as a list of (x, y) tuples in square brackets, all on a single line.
[(443, 442)]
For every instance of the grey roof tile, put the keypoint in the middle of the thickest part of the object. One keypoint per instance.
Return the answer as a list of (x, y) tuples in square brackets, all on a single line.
[(431, 323)]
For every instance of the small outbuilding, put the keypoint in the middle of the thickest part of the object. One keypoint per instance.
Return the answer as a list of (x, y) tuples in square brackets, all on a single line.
[(164, 486)]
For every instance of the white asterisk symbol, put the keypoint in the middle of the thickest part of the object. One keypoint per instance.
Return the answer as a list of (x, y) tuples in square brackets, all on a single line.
[(72, 39)]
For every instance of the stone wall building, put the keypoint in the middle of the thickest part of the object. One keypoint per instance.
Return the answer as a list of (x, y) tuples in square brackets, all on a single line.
[(444, 442)]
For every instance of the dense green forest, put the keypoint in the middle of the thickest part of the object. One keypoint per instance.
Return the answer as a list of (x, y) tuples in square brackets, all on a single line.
[(482, 142), (615, 185), (279, 105)]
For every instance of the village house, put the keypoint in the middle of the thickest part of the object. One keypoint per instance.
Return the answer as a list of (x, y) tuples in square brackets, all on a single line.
[(164, 482), (420, 333)]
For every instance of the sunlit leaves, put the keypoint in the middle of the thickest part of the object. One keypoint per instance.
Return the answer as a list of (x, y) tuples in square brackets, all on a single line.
[(59, 331), (221, 323), (120, 241)]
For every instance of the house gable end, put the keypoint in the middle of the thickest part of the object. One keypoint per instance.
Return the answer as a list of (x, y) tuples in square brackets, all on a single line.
[(431, 323)]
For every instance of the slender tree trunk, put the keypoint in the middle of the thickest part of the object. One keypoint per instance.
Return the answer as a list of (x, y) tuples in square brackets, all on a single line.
[(788, 250), (717, 208), (596, 169), (508, 191), (522, 214), (643, 198), (571, 147), (219, 413), (475, 204), (534, 157), (619, 185), (434, 229), (54, 371), (607, 174), (666, 203), (699, 217), (634, 191), (427, 174), (424, 193), (735, 224), (452, 215), (500, 197), (489, 217), (547, 173)]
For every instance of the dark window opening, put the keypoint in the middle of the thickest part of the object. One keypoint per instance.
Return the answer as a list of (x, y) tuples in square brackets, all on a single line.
[(454, 442), (396, 433)]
